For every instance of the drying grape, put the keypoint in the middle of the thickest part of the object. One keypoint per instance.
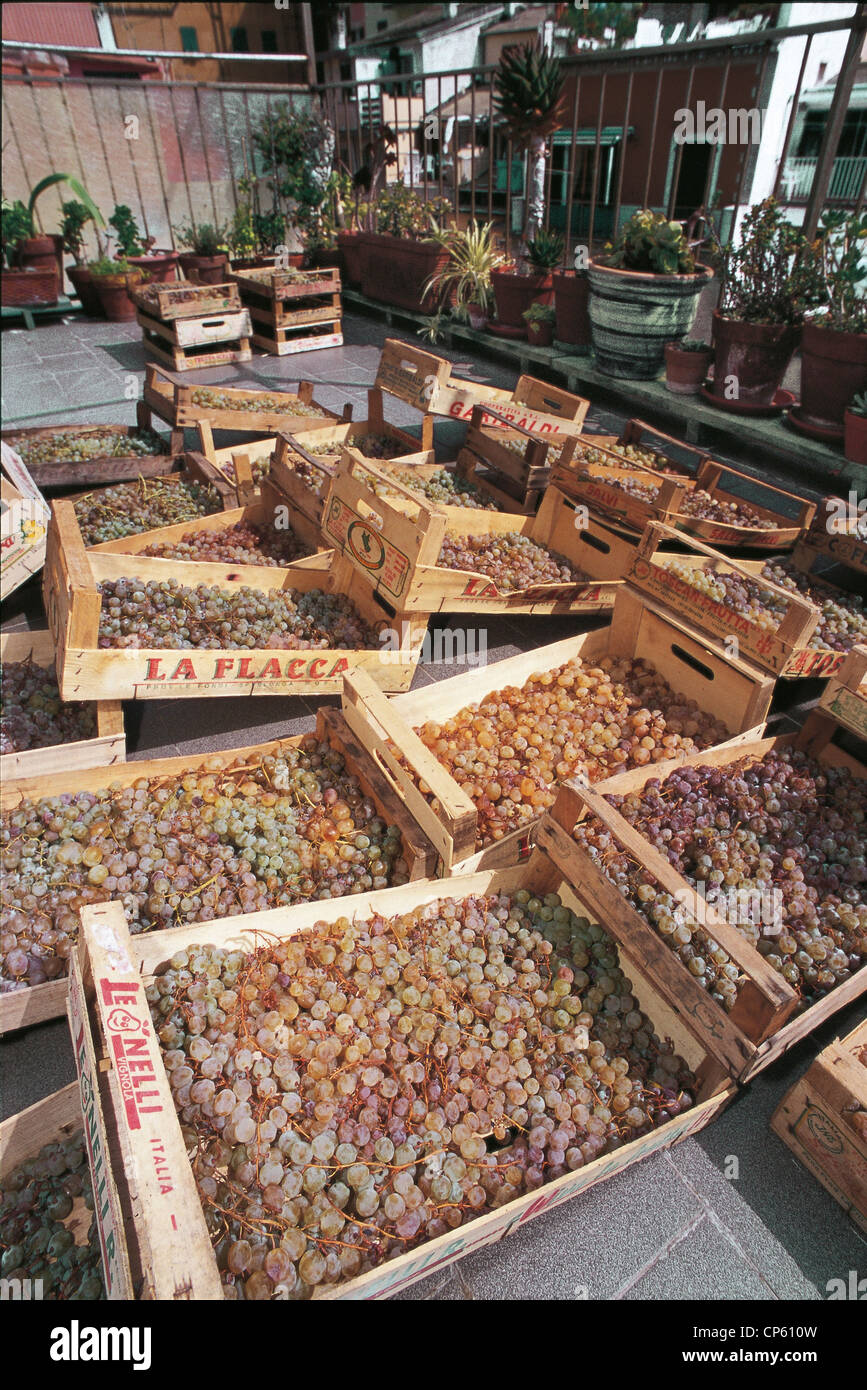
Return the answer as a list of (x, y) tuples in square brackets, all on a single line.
[(509, 751), (241, 544), (843, 623), (212, 842), (166, 614), (127, 509), (32, 715), (442, 487), (414, 1117), (626, 456), (47, 1231), (74, 446), (746, 596), (256, 402), (511, 560)]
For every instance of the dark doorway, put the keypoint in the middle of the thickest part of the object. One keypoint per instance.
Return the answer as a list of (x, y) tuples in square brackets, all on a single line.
[(692, 178)]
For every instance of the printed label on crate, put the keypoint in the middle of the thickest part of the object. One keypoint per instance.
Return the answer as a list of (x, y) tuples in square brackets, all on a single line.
[(386, 566), (514, 414), (104, 1197), (809, 662), (851, 709), (830, 1154), (406, 381), (660, 582), (764, 540), (212, 669)]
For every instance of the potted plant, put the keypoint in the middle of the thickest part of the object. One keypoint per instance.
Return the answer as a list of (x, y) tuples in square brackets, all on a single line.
[(112, 279), (528, 99), (405, 252), (834, 336), (686, 366), (855, 430), (467, 276), (540, 319), (571, 298), (644, 292), (22, 286), (140, 250), (206, 261), (41, 252), (296, 148), (756, 325), (75, 217)]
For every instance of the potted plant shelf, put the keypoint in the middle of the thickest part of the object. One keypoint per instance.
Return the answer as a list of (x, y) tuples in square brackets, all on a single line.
[(111, 280), (834, 337)]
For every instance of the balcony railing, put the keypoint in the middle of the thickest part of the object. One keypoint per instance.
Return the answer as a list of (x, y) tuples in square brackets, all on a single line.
[(847, 178)]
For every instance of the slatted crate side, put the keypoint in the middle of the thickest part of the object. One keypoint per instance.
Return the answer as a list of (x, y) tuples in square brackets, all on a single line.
[(509, 496), (120, 966), (190, 359), (530, 467), (85, 670), (200, 330), (814, 1121), (285, 341), (107, 747), (646, 436), (285, 317), (275, 285), (740, 696), (765, 1036), (772, 649), (173, 401), (106, 468), (24, 517), (786, 531), (411, 374), (533, 405), (845, 696), (598, 487), (820, 544), (169, 302)]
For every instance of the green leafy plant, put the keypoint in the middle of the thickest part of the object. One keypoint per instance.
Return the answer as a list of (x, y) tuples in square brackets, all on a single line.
[(401, 212), (204, 240), (693, 345), (329, 218), (472, 257), (129, 241), (75, 218), (16, 223), (834, 267), (546, 250), (648, 242), (858, 405), (540, 313), (528, 99), (296, 150), (432, 328), (765, 279), (106, 266), (242, 234), (78, 189)]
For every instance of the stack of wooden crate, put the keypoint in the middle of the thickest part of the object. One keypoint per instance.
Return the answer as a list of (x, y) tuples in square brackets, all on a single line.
[(292, 310), (191, 326)]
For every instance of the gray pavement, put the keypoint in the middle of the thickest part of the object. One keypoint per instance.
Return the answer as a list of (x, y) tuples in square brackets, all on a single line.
[(673, 1227)]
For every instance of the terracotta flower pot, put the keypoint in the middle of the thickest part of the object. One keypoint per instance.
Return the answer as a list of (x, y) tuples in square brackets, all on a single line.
[(754, 355), (158, 267), (855, 437), (514, 293), (634, 314), (112, 290), (348, 244), (540, 334), (571, 298), (394, 270), (685, 372), (85, 288), (477, 316), (37, 253), (204, 270), (833, 370)]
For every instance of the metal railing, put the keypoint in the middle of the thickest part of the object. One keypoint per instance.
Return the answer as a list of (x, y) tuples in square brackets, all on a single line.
[(847, 178)]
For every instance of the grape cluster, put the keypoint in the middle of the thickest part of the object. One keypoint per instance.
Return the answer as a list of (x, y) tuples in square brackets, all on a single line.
[(73, 446), (510, 750), (704, 507), (32, 714), (517, 444), (746, 596), (241, 544), (843, 623), (785, 833), (44, 1230), (216, 841), (127, 509), (364, 1086), (625, 456), (164, 613), (510, 560), (441, 487), (256, 402)]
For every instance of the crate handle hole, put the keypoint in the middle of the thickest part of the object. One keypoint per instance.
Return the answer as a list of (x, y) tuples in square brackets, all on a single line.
[(692, 661), (589, 539)]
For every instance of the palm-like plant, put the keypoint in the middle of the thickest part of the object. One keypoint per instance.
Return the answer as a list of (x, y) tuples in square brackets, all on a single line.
[(528, 97), (472, 257)]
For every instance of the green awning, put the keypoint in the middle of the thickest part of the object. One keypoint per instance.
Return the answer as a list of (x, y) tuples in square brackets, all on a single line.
[(609, 135)]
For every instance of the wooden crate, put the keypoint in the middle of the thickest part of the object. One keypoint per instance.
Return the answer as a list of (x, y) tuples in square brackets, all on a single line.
[(814, 1120), (173, 401), (187, 345), (844, 700), (432, 588), (167, 1241), (698, 668), (24, 1007), (105, 469), (54, 1119), (830, 538), (275, 289), (299, 337), (73, 605), (683, 458), (782, 650), (24, 516), (522, 475), (533, 405), (184, 301), (285, 306), (786, 530), (108, 746), (269, 510), (760, 1028)]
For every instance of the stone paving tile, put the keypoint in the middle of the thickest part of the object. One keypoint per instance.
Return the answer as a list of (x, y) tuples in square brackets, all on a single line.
[(36, 1062), (441, 1289), (705, 1264), (206, 726)]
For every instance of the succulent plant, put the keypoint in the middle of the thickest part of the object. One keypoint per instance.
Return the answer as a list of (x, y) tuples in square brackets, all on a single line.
[(649, 242)]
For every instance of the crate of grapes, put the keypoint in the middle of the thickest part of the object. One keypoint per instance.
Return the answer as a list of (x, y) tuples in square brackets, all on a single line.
[(533, 405), (79, 455), (24, 517), (188, 344), (369, 1218), (837, 535), (38, 733), (292, 310), (185, 301), (646, 660), (231, 408), (328, 770), (517, 461), (757, 966), (844, 699), (61, 1148), (453, 489), (132, 627), (823, 1120), (481, 562)]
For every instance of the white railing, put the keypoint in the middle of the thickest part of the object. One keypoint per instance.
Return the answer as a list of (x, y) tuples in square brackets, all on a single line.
[(847, 176)]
